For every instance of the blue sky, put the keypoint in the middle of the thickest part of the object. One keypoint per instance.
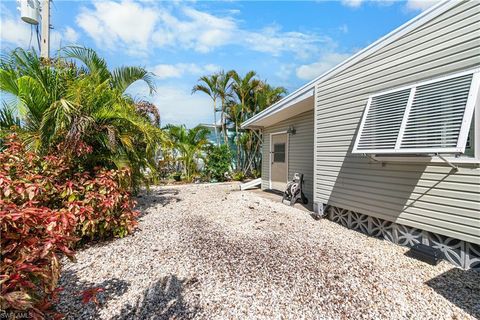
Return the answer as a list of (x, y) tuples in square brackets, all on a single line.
[(287, 43)]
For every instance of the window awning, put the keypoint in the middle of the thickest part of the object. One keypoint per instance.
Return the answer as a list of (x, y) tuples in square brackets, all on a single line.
[(428, 117)]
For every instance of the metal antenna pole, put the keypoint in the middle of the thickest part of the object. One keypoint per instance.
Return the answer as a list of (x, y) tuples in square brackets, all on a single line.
[(45, 44)]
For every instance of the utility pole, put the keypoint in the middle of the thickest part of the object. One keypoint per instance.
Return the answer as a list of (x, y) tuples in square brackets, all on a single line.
[(45, 44)]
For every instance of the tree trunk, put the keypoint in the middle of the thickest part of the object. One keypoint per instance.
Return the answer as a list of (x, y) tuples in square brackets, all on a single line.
[(252, 157), (224, 127), (215, 121), (237, 138)]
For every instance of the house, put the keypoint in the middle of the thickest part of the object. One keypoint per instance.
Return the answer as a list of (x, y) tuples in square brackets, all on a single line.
[(216, 129), (389, 140)]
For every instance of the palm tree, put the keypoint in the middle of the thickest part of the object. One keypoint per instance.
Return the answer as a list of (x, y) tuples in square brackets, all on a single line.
[(208, 85), (61, 102), (266, 95), (190, 144), (224, 92), (234, 116), (8, 117), (244, 89), (119, 78)]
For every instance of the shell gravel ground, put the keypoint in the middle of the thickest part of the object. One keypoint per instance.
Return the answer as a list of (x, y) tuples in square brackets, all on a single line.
[(213, 252)]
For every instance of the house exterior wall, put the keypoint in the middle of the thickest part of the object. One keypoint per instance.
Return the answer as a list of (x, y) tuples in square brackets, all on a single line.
[(430, 197), (300, 150)]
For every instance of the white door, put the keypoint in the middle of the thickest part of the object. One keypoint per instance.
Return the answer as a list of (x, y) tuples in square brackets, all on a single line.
[(279, 161)]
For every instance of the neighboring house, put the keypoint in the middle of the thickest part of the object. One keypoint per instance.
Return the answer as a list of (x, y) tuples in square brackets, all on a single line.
[(212, 136), (389, 140)]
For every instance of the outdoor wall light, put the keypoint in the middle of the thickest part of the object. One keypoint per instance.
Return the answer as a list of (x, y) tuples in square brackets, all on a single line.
[(291, 130)]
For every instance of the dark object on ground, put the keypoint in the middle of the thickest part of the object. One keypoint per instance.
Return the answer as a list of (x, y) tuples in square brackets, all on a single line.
[(426, 254), (294, 190)]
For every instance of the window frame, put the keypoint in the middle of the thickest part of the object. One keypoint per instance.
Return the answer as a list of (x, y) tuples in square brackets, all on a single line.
[(284, 152), (462, 159), (472, 104)]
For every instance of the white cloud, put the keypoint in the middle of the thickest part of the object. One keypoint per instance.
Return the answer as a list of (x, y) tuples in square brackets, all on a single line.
[(352, 3), (176, 103), (415, 5), (412, 5), (165, 71), (178, 106), (272, 40), (63, 38), (204, 32), (126, 23), (132, 25), (196, 30), (212, 68), (70, 35), (284, 71), (327, 61), (16, 33)]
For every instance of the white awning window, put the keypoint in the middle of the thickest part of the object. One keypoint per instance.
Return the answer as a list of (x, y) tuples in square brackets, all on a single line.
[(427, 117)]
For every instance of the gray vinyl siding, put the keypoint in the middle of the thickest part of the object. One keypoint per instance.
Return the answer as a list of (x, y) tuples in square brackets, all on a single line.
[(300, 150), (430, 197)]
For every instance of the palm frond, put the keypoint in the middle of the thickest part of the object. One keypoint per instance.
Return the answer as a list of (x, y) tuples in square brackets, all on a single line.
[(8, 117), (94, 63), (123, 77)]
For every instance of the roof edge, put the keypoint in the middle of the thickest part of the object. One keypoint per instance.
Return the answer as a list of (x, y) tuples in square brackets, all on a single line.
[(305, 93)]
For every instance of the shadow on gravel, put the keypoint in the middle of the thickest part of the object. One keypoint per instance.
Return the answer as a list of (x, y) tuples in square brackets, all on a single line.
[(153, 198), (461, 287), (162, 300), (70, 303)]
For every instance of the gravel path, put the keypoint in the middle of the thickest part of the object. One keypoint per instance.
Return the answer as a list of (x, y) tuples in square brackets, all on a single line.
[(212, 252)]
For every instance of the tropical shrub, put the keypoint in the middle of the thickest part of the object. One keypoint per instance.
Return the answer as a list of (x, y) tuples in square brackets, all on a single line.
[(32, 239), (177, 176), (58, 100), (47, 204), (256, 173), (188, 146), (238, 98), (238, 176), (218, 161)]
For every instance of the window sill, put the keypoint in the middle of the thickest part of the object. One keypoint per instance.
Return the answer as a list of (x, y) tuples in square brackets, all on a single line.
[(428, 159)]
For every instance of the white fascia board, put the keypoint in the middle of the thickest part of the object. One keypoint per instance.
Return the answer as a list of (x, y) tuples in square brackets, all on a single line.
[(417, 21), (288, 101)]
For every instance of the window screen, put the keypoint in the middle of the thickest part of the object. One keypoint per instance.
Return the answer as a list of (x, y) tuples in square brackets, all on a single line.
[(429, 117), (383, 121), (279, 152)]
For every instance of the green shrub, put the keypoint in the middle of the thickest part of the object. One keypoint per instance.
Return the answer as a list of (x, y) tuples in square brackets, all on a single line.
[(84, 103), (177, 176), (218, 162), (238, 176), (256, 173)]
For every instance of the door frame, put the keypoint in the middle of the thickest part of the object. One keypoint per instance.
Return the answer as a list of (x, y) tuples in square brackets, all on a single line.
[(287, 154)]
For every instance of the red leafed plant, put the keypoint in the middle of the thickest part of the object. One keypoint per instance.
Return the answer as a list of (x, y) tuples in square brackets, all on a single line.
[(47, 204), (91, 295)]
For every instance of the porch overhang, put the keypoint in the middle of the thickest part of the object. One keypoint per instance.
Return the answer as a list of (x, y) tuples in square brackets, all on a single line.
[(298, 102)]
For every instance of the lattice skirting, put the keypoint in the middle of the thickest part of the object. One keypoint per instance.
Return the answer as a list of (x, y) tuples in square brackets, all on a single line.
[(460, 253)]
